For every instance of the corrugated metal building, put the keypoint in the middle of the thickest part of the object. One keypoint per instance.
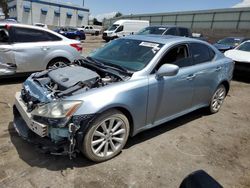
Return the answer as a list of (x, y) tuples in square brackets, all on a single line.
[(231, 18), (48, 12)]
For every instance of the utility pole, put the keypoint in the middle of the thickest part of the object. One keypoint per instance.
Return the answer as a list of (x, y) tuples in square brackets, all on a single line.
[(83, 3)]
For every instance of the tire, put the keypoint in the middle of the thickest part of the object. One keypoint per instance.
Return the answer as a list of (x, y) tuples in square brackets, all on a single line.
[(102, 141), (96, 33), (58, 62), (78, 38), (217, 99)]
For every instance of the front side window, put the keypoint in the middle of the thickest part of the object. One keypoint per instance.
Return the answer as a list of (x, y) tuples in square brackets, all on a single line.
[(29, 35), (113, 27), (131, 54), (177, 55), (201, 53), (244, 47), (33, 35), (120, 29)]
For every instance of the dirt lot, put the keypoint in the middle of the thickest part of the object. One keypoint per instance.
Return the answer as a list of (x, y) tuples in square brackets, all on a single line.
[(161, 157)]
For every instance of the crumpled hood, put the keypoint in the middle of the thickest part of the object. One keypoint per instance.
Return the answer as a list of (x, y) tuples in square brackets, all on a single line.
[(238, 55)]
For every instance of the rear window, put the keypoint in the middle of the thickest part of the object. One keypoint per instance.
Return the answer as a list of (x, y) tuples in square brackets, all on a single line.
[(33, 35), (201, 53), (4, 35)]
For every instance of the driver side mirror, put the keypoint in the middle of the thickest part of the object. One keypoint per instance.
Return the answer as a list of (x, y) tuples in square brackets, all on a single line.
[(167, 70)]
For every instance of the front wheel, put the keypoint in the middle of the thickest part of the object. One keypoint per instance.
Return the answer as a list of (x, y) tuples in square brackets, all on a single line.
[(217, 99), (106, 136)]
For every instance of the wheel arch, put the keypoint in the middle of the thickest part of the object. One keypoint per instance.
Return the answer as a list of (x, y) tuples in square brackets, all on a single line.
[(226, 84), (126, 112)]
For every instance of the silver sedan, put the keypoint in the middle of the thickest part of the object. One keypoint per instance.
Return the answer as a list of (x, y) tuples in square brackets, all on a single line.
[(130, 85)]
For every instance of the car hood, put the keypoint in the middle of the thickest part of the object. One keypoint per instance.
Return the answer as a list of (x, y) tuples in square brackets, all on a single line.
[(238, 55), (223, 46)]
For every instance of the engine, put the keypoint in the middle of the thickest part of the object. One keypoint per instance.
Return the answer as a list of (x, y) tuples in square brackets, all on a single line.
[(72, 79)]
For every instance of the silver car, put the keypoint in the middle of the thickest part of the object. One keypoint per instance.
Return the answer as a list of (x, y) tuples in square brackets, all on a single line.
[(130, 85), (25, 48)]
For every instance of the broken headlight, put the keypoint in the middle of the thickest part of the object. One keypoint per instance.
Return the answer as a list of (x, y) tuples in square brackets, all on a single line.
[(57, 110)]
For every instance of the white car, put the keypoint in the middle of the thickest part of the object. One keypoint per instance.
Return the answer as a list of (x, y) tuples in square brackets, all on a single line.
[(241, 56), (25, 48)]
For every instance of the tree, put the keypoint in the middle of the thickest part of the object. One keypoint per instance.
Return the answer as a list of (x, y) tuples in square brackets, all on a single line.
[(118, 14), (4, 5), (96, 22)]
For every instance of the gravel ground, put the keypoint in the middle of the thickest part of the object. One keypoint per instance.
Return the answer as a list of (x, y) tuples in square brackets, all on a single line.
[(160, 157)]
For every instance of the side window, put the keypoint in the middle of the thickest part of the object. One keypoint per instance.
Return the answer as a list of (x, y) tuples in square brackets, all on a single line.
[(119, 29), (178, 56), (171, 31), (86, 27), (30, 35), (184, 32), (90, 27), (201, 53), (53, 37)]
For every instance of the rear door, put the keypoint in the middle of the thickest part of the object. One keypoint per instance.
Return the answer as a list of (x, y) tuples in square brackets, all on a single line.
[(206, 72), (31, 47), (7, 60)]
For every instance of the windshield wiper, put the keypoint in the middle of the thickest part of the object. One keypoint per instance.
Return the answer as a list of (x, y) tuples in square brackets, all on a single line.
[(92, 60), (105, 64)]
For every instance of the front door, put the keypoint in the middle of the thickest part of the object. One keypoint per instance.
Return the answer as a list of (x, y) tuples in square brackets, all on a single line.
[(171, 96)]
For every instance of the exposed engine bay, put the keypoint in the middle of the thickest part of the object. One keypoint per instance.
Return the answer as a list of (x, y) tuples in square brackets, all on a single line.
[(70, 80)]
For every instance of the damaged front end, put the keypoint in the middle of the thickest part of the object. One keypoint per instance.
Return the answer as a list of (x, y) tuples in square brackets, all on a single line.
[(44, 116)]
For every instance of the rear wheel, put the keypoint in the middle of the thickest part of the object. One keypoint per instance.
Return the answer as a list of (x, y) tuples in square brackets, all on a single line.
[(217, 99), (78, 38), (58, 62), (106, 137)]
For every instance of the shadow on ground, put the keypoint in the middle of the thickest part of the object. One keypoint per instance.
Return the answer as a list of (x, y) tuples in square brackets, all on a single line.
[(13, 80), (28, 153), (241, 77)]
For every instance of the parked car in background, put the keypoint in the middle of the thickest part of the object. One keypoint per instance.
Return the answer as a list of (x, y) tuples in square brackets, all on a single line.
[(241, 56), (171, 30), (41, 25), (166, 30), (123, 28), (88, 29), (229, 43), (25, 48), (71, 33), (130, 85)]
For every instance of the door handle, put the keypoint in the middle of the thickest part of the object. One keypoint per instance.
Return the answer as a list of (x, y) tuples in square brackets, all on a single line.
[(218, 69), (45, 48), (190, 77)]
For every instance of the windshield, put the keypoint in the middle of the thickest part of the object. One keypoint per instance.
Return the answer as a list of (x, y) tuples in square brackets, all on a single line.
[(244, 47), (113, 27), (132, 55), (230, 41), (152, 30)]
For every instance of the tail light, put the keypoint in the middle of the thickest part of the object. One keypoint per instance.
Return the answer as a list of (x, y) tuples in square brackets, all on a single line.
[(77, 46)]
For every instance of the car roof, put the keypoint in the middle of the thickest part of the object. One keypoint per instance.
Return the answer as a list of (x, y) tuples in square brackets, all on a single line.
[(162, 39)]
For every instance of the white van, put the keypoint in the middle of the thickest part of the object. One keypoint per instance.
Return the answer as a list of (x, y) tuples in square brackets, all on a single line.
[(124, 27)]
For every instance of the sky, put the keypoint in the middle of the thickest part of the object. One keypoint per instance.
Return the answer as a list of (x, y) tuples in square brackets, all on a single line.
[(98, 7), (108, 8)]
